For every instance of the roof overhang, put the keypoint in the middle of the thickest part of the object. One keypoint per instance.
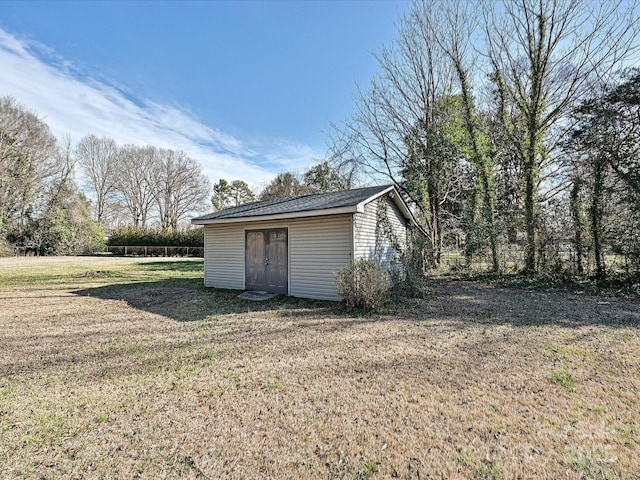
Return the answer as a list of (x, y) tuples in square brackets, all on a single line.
[(395, 197), (280, 216), (358, 208)]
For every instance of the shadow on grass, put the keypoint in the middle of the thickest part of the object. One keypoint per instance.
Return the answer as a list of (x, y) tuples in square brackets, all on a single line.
[(183, 266), (188, 300), (471, 302), (460, 302)]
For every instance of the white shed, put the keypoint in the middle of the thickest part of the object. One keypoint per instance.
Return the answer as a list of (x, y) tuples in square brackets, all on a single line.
[(295, 246)]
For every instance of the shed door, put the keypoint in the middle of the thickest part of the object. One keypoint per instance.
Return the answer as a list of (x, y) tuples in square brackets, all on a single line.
[(266, 260)]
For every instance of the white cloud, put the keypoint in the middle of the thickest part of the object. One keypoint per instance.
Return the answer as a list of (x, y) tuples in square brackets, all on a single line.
[(78, 104)]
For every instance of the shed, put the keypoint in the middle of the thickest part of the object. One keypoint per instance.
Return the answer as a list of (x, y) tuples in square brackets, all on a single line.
[(295, 246)]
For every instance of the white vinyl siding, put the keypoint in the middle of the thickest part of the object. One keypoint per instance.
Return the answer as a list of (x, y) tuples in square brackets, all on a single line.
[(318, 248), (224, 256), (369, 238)]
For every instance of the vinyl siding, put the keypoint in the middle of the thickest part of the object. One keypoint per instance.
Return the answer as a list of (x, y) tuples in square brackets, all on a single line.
[(369, 238), (318, 248), (224, 256)]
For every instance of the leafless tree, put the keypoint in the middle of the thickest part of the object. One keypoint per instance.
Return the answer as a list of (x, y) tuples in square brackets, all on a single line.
[(98, 158), (179, 187), (401, 111), (134, 182), (538, 57), (64, 163), (455, 29), (27, 151), (544, 55)]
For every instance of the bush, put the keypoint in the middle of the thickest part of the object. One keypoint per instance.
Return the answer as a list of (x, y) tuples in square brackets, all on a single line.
[(363, 284), (408, 275), (149, 237), (6, 249)]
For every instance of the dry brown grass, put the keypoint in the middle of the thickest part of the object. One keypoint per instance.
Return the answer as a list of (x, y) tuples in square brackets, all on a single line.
[(103, 375)]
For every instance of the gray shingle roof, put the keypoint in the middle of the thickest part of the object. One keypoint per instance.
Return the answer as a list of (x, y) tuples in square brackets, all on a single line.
[(305, 203)]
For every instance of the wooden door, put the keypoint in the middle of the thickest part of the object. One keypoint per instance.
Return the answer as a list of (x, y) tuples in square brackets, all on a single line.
[(266, 256), (276, 261), (254, 260)]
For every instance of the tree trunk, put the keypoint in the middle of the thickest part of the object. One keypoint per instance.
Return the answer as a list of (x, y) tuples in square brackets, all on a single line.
[(596, 215), (576, 214), (482, 169), (529, 216)]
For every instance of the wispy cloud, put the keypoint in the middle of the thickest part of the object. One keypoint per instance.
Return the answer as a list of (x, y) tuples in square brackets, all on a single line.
[(74, 102)]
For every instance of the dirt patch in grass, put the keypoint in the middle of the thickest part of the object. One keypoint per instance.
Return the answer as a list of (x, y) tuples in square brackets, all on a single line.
[(476, 382)]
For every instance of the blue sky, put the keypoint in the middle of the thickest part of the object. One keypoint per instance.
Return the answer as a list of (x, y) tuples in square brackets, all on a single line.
[(248, 88)]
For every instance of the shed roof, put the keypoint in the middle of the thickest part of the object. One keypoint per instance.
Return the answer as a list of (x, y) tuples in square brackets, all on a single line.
[(345, 201)]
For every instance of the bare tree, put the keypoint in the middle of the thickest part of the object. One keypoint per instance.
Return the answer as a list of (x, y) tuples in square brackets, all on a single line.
[(179, 187), (454, 30), (544, 56), (540, 57), (134, 182), (27, 151), (98, 158), (401, 126), (64, 167)]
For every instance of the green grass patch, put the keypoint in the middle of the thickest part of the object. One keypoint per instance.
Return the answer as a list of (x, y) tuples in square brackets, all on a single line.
[(61, 272), (564, 379)]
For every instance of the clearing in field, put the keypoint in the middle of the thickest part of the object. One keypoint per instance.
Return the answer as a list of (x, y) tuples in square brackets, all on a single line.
[(129, 368)]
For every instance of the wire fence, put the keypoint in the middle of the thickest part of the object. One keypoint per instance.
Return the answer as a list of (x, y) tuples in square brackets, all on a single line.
[(512, 260)]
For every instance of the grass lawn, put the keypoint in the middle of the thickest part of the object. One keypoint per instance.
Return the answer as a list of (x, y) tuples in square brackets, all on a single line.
[(130, 368)]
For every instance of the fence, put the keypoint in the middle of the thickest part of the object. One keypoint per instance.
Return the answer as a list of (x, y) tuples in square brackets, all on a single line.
[(512, 260), (155, 251)]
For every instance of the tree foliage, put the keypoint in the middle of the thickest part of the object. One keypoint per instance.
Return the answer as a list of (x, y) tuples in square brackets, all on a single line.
[(284, 185), (155, 237), (232, 194), (544, 56), (319, 178), (604, 150), (469, 107), (324, 178), (43, 211), (41, 208), (27, 151)]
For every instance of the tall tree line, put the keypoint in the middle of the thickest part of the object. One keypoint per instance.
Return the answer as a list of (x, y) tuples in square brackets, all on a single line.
[(603, 153), (152, 185), (469, 116), (318, 178), (43, 209)]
